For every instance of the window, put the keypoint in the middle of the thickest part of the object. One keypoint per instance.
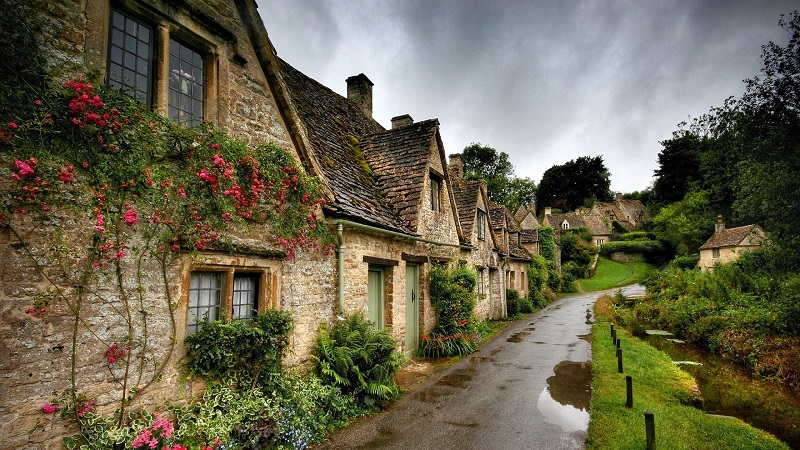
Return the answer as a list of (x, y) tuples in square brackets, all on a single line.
[(436, 194), (130, 56), (481, 280), (133, 69), (715, 253), (211, 293), (481, 225), (186, 84), (565, 225), (600, 242)]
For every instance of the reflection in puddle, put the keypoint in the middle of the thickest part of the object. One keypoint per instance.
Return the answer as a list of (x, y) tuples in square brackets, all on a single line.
[(565, 402), (455, 380), (517, 337)]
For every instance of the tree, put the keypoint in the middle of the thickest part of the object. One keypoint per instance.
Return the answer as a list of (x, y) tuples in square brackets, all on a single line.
[(567, 186), (687, 224), (678, 167), (504, 188)]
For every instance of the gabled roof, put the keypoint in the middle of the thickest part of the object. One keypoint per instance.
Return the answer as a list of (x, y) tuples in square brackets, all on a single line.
[(748, 235), (466, 194), (338, 132), (529, 236), (592, 222), (399, 159)]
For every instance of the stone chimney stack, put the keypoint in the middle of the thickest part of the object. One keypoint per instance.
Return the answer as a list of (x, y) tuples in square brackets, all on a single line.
[(720, 225), (456, 167), (401, 121), (618, 197), (548, 211), (359, 91)]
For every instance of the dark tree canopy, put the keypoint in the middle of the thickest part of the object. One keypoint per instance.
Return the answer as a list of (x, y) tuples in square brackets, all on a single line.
[(570, 185), (486, 163), (746, 154)]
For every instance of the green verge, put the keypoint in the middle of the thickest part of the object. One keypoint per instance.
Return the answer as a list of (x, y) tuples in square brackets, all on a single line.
[(658, 386), (611, 274)]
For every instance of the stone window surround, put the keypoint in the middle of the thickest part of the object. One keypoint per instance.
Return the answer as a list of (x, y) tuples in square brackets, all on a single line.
[(481, 224), (436, 192), (179, 27), (267, 271), (715, 252)]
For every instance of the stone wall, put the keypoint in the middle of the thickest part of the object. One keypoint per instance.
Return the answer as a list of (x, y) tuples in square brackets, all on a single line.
[(36, 350)]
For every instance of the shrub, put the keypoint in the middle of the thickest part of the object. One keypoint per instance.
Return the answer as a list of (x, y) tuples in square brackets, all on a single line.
[(684, 262), (452, 294), (512, 302), (537, 273), (248, 350), (360, 360)]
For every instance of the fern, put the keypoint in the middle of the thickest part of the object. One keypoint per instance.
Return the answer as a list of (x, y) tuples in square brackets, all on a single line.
[(358, 359)]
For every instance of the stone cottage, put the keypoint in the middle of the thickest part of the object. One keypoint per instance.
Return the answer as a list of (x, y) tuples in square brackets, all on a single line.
[(473, 206), (727, 244), (192, 62), (626, 215), (599, 227)]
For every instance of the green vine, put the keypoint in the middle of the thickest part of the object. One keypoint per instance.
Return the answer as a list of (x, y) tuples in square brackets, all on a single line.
[(453, 296)]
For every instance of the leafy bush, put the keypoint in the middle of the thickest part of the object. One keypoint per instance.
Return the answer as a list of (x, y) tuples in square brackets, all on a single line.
[(525, 305), (653, 251), (639, 236), (452, 294), (512, 302), (249, 350), (360, 360), (537, 273), (684, 262)]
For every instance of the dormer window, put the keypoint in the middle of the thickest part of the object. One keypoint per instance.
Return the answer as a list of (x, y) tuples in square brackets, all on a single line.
[(565, 225), (436, 193)]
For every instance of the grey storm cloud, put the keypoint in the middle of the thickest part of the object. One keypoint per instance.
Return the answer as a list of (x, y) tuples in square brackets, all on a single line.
[(544, 81)]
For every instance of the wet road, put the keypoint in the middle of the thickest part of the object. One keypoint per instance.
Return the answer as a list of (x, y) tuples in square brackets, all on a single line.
[(527, 388)]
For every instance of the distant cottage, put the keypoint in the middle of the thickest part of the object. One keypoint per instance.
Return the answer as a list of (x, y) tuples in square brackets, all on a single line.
[(728, 244)]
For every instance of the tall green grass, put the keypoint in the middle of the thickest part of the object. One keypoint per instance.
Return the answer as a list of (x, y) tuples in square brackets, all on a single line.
[(658, 386)]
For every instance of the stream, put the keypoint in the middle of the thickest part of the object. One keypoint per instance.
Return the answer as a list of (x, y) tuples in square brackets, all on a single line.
[(729, 390)]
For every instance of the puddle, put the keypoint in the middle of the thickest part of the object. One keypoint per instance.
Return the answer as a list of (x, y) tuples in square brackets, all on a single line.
[(496, 351), (458, 380), (565, 401), (464, 425), (531, 329), (479, 359), (517, 337), (585, 337), (430, 396)]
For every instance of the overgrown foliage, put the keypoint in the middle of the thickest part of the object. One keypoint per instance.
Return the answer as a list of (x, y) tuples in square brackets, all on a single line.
[(575, 183), (452, 291), (744, 156), (740, 310), (353, 356), (249, 350)]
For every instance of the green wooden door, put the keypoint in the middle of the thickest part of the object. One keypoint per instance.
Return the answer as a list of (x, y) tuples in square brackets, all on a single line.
[(375, 297), (412, 307)]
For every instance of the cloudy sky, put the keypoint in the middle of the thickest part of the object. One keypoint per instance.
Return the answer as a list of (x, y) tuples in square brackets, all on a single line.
[(544, 81)]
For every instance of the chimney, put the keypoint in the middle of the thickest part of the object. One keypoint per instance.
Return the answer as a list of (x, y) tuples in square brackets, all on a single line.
[(720, 225), (401, 121), (359, 91), (456, 167), (618, 197), (548, 211)]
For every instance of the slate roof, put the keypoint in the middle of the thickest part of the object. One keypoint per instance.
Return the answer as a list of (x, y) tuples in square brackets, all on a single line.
[(529, 236), (733, 237), (399, 161), (337, 130), (592, 222), (466, 195)]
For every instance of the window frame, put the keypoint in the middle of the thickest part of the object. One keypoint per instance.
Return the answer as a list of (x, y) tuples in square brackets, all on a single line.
[(715, 252), (481, 224), (265, 298), (151, 53), (436, 193), (164, 31)]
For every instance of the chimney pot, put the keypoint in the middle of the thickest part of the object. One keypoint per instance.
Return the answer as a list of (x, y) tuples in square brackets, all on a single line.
[(359, 91), (720, 225), (402, 121)]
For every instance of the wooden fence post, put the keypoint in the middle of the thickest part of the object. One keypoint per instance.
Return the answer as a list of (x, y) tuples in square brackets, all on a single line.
[(650, 429), (629, 391)]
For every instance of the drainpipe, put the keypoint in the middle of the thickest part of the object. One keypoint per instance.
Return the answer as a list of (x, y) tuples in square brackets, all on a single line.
[(340, 252)]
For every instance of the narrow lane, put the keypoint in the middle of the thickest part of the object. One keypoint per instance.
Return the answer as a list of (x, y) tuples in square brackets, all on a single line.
[(528, 387)]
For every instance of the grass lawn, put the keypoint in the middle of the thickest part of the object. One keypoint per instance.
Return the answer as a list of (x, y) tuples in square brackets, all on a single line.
[(662, 388), (611, 274)]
